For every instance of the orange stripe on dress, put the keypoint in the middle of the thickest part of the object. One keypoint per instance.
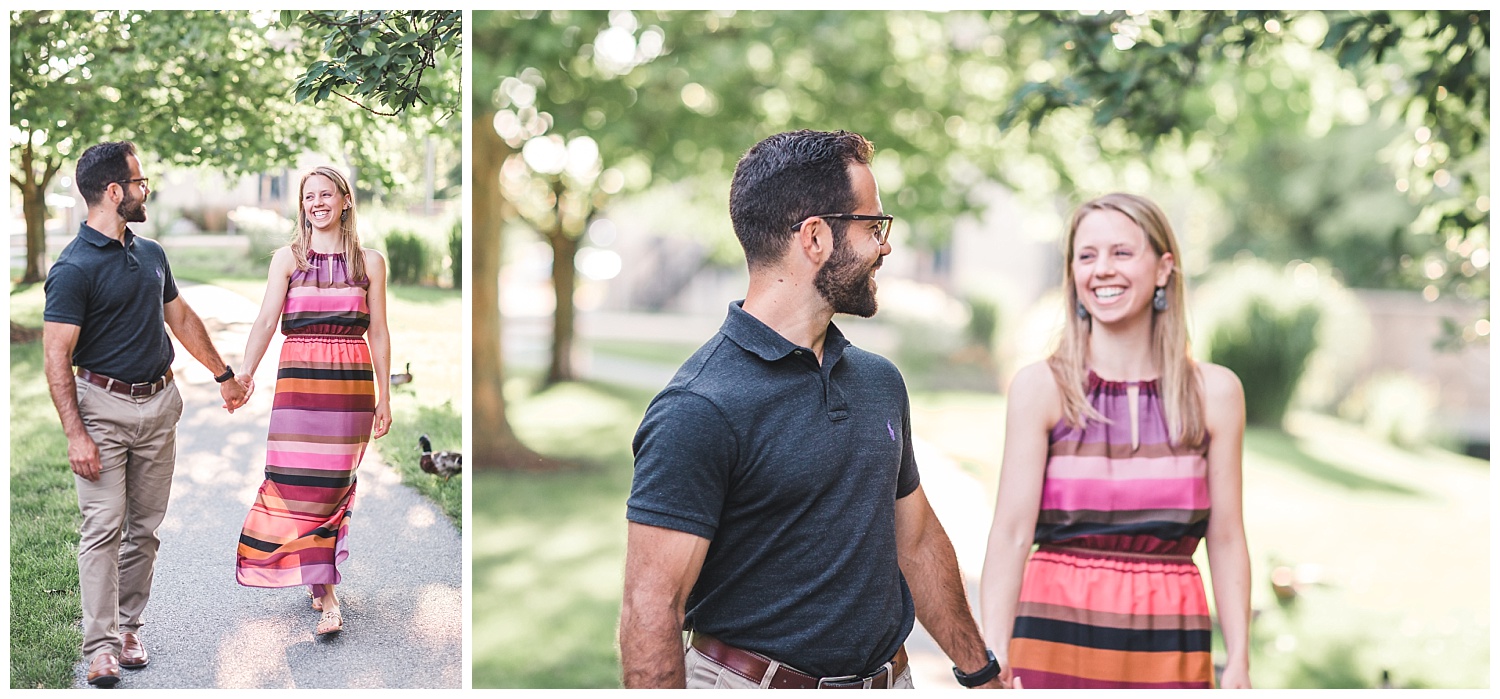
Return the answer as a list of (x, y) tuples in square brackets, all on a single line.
[(1118, 665)]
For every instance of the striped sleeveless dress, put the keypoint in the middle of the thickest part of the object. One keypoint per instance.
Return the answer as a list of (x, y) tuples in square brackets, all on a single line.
[(321, 419), (1111, 597)]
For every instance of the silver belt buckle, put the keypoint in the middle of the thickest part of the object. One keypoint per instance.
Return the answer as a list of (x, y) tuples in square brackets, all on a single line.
[(842, 679)]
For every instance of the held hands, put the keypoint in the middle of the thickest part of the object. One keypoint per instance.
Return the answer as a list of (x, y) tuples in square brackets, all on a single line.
[(83, 455), (382, 419), (1002, 680), (234, 393), (248, 382)]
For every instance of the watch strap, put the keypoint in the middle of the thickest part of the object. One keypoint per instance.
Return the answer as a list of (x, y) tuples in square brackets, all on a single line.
[(227, 375), (990, 671)]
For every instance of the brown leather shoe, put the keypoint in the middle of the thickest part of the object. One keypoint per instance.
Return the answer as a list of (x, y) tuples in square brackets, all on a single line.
[(104, 669), (132, 651)]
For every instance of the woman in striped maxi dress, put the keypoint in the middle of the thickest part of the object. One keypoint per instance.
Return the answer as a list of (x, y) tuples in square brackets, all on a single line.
[(327, 293), (1121, 454)]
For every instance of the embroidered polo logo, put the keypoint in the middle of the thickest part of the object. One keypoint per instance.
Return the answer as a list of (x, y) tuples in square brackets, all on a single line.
[(891, 430)]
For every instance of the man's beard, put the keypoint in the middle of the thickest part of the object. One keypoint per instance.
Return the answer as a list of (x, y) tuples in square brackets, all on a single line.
[(132, 210), (844, 282)]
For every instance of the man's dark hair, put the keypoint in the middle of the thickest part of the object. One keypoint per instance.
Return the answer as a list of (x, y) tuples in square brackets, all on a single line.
[(100, 165), (787, 178)]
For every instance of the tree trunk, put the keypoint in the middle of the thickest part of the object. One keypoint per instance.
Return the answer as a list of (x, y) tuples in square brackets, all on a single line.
[(564, 282), (34, 207), (495, 444)]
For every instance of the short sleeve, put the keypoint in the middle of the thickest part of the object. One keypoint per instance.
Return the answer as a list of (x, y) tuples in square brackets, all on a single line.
[(168, 284), (908, 479), (685, 452), (67, 294)]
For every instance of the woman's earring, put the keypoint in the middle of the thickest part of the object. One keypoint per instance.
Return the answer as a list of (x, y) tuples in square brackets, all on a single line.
[(344, 215), (1159, 299), (1083, 313)]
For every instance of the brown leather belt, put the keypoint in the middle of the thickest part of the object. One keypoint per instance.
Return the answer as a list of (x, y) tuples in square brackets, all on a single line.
[(134, 390), (753, 667)]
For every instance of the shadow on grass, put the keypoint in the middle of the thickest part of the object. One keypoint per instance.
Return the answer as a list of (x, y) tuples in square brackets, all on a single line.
[(1325, 640), (44, 602), (549, 548), (1284, 448)]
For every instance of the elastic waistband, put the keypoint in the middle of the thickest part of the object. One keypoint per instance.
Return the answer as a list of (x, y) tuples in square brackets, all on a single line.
[(321, 337), (1119, 555)]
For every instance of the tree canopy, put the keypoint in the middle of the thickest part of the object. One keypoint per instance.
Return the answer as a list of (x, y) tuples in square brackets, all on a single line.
[(213, 89), (384, 57)]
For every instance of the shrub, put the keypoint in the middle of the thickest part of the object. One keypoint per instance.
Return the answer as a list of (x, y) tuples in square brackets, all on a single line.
[(984, 321), (456, 253), (406, 257), (1271, 326), (1268, 348)]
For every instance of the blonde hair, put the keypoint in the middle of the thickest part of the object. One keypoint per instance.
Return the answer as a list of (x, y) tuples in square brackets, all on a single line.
[(354, 255), (1181, 394)]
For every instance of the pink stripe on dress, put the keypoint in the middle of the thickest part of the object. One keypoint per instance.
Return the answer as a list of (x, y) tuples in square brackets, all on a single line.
[(1113, 495)]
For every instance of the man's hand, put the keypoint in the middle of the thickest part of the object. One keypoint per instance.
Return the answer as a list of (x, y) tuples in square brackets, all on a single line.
[(234, 394), (83, 455)]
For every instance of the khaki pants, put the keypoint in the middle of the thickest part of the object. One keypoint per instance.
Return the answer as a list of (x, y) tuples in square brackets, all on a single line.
[(704, 673), (137, 440)]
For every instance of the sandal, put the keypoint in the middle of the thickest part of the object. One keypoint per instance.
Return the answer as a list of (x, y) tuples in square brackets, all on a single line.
[(317, 602), (331, 622)]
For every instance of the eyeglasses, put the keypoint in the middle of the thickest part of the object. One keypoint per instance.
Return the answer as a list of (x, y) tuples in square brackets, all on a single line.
[(145, 182), (882, 234)]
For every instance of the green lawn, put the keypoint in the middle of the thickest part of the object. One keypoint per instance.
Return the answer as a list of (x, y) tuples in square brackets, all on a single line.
[(1393, 545), (549, 548), (44, 601), (426, 330)]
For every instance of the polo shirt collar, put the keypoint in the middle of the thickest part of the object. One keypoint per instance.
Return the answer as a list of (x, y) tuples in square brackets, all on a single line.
[(756, 337), (99, 240)]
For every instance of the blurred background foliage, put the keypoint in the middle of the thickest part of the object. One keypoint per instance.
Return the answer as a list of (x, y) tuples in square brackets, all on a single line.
[(1353, 141), (220, 92)]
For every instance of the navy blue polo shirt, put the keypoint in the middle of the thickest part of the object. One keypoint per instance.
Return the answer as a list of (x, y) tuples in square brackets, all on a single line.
[(115, 292), (792, 471)]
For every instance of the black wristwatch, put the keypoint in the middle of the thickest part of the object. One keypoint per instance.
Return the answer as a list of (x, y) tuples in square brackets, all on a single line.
[(227, 375), (989, 672)]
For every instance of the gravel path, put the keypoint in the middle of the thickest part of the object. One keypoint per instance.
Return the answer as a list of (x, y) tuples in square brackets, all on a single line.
[(402, 595)]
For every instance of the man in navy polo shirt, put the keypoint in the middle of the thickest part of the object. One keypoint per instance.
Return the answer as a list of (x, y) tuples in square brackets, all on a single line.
[(110, 298), (776, 512)]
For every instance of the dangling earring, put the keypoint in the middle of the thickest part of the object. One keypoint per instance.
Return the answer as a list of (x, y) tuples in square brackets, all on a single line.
[(1083, 313), (344, 215), (1159, 299)]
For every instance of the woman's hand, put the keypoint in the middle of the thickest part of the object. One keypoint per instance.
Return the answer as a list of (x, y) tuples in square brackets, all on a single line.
[(382, 419), (1236, 676), (1007, 680), (247, 381)]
